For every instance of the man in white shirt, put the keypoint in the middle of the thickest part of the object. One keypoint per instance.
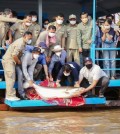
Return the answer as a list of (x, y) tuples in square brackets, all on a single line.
[(94, 75)]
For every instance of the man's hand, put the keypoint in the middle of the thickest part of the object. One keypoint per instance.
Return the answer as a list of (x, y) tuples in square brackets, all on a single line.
[(30, 83), (51, 78), (76, 85), (82, 90), (89, 41), (10, 40), (58, 84), (104, 31), (4, 47), (80, 50), (47, 78)]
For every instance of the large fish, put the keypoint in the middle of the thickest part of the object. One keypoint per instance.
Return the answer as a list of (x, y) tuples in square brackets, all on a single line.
[(62, 92)]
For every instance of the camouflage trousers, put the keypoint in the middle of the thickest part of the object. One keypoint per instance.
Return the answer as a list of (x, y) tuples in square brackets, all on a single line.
[(73, 54)]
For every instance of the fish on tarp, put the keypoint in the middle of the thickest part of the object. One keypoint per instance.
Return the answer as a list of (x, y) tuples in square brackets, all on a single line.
[(63, 96), (62, 92)]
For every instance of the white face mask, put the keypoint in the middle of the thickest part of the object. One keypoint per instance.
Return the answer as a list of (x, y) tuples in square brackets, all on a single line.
[(27, 24), (51, 34), (107, 27), (42, 50), (34, 19), (66, 74), (45, 26), (29, 41), (73, 22), (59, 22), (35, 56), (58, 53)]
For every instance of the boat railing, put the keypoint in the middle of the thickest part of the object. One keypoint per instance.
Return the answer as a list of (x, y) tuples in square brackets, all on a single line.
[(115, 82)]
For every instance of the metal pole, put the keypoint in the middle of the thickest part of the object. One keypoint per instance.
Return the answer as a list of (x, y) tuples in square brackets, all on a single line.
[(94, 20), (93, 32), (40, 12)]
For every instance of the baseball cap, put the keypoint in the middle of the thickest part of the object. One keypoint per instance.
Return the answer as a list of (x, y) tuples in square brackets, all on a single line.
[(87, 59), (43, 45)]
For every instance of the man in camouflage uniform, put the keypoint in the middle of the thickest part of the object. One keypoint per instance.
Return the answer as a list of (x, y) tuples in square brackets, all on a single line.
[(5, 18), (9, 62), (18, 29), (71, 44), (60, 30), (84, 35), (35, 27)]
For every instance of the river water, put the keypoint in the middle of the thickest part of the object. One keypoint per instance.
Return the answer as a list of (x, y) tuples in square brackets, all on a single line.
[(74, 122)]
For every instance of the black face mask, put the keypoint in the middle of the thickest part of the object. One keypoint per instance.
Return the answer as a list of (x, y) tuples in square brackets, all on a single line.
[(89, 66)]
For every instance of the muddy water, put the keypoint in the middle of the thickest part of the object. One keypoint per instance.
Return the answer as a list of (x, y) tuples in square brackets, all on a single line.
[(75, 122)]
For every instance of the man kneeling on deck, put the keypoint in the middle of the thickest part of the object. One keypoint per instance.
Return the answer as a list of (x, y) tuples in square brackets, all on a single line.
[(92, 75), (68, 75), (25, 72)]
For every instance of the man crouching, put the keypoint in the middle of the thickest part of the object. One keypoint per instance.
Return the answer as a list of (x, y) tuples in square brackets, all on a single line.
[(25, 71), (93, 76)]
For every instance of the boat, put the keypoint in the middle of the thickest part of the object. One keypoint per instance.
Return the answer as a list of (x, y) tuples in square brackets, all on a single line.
[(91, 102)]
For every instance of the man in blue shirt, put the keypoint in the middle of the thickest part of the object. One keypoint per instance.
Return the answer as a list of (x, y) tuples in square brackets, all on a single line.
[(57, 61), (70, 73), (41, 62)]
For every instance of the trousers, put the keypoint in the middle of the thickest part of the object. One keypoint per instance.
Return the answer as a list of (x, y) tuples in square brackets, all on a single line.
[(9, 73), (73, 54)]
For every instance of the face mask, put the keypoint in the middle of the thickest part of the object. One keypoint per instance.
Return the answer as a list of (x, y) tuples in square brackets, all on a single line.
[(59, 22), (66, 74), (73, 22), (35, 56), (29, 41), (58, 53), (45, 26), (85, 20), (27, 24), (51, 34), (89, 66), (42, 50), (34, 19), (107, 27)]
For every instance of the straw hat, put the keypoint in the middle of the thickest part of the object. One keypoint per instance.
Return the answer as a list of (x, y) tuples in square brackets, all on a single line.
[(57, 48)]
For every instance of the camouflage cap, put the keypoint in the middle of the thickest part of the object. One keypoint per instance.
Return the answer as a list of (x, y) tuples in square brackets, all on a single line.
[(7, 11)]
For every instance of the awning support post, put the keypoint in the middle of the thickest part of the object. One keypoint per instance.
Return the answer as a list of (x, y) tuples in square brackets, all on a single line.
[(40, 12)]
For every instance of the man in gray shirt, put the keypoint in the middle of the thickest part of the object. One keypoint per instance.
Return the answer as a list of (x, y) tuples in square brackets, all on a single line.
[(25, 72)]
